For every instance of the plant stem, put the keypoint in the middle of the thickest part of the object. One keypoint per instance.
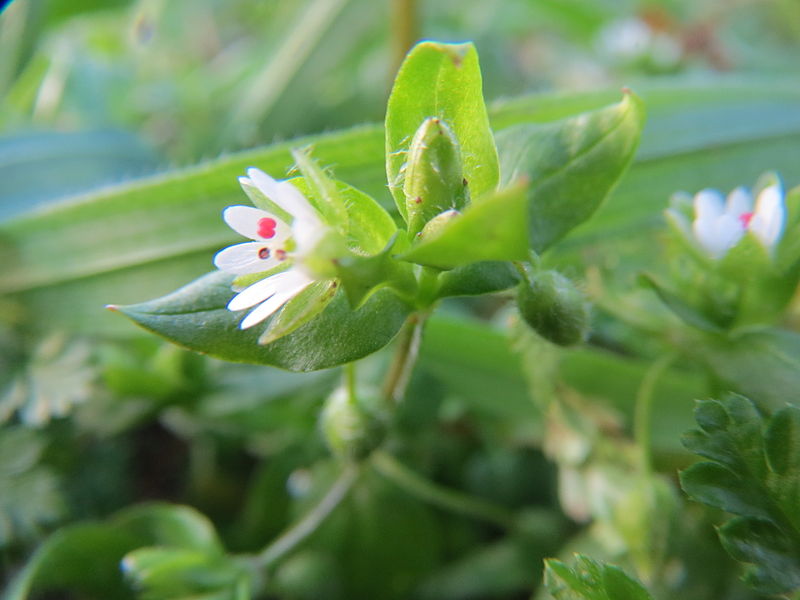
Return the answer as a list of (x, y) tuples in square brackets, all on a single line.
[(396, 382), (642, 426), (298, 532), (350, 381), (404, 30), (453, 500)]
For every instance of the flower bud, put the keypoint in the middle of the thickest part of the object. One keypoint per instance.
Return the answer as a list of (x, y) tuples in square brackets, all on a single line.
[(434, 180), (350, 429), (552, 305)]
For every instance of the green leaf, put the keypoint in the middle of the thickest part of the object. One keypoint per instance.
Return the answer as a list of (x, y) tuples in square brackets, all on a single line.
[(591, 580), (493, 229), (195, 317), (86, 557), (444, 81), (322, 190), (572, 165), (477, 278), (160, 573), (752, 472)]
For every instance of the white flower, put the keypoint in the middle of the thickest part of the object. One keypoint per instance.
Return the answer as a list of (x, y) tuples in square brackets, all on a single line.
[(719, 224), (274, 242)]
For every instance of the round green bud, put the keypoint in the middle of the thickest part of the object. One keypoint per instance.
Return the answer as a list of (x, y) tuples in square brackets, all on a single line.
[(433, 176), (350, 429), (437, 223), (552, 305)]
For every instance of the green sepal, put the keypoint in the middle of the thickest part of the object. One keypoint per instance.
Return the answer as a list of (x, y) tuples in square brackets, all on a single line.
[(366, 226), (321, 190), (299, 310), (195, 317), (492, 228), (361, 276), (572, 164), (433, 178), (444, 81), (712, 321)]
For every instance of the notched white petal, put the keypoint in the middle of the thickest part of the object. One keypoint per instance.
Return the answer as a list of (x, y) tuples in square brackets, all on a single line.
[(739, 202), (284, 194), (708, 204), (770, 215), (246, 258), (261, 290), (272, 304), (247, 221)]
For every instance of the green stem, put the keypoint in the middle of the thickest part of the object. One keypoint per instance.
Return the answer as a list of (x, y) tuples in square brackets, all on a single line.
[(396, 382), (642, 425), (416, 485), (298, 532), (350, 381), (404, 30)]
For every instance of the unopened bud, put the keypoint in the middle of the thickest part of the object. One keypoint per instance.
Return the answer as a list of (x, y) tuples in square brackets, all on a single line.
[(434, 179), (552, 305), (437, 223), (350, 429)]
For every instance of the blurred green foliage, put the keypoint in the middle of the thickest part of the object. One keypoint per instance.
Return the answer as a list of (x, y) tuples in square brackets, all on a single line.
[(97, 418)]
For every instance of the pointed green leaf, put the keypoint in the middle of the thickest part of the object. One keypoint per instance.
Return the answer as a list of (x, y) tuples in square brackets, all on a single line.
[(444, 81), (195, 317), (685, 311), (572, 164), (493, 229)]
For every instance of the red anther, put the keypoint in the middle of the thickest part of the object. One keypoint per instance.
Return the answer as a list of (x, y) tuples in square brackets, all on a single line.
[(263, 253), (280, 254), (745, 218), (266, 228)]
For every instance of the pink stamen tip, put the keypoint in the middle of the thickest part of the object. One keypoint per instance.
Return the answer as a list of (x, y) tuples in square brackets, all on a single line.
[(266, 228), (745, 218)]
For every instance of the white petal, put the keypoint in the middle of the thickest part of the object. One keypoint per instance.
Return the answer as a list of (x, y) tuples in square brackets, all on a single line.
[(739, 202), (708, 204), (768, 221), (246, 258), (268, 307), (261, 290), (719, 235), (246, 221), (284, 194)]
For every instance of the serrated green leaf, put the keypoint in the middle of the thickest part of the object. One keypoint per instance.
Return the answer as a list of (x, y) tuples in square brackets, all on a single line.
[(591, 580), (492, 229), (771, 554), (753, 472), (195, 317), (572, 165), (444, 81)]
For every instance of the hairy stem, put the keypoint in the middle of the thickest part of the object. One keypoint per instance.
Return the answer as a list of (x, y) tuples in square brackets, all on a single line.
[(428, 491), (298, 532), (399, 374)]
